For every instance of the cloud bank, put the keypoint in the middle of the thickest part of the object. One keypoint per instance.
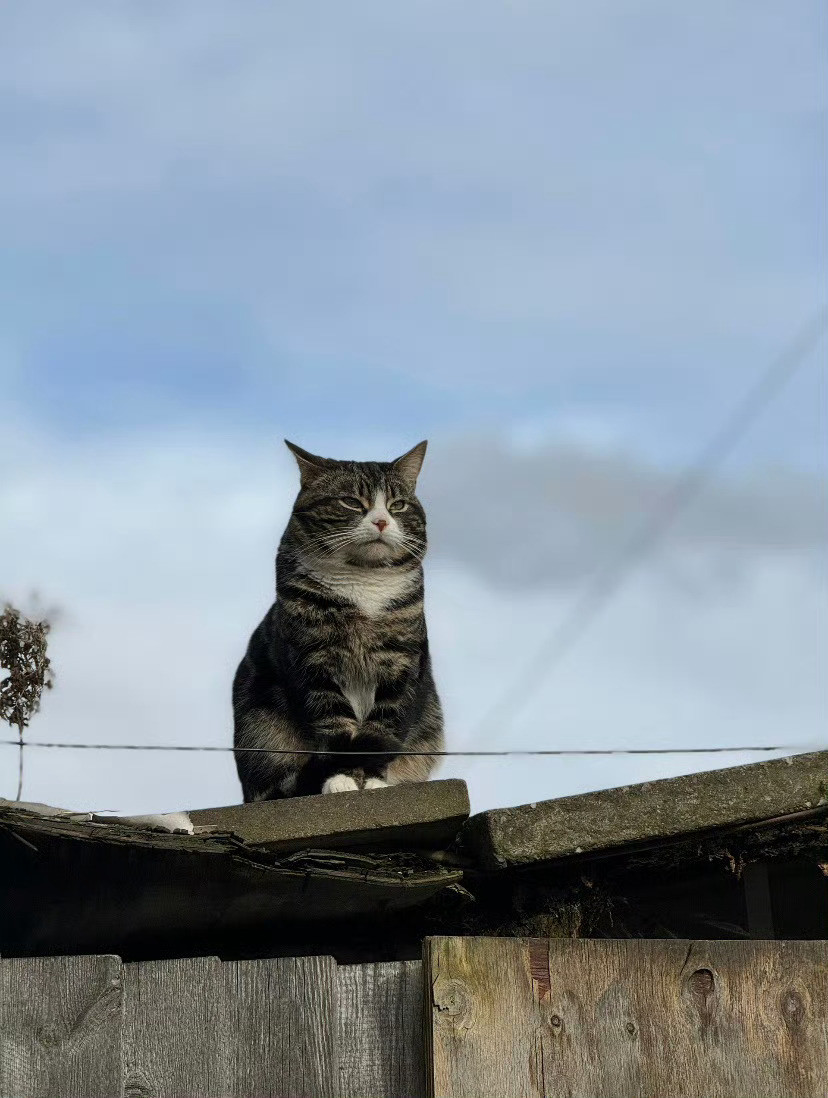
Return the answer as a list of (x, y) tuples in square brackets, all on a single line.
[(160, 556)]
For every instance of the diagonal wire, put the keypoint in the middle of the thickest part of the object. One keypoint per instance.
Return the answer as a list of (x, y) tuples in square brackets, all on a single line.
[(610, 576)]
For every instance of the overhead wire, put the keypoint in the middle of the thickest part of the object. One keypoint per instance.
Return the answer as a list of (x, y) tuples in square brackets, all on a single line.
[(607, 581), (524, 752), (610, 576)]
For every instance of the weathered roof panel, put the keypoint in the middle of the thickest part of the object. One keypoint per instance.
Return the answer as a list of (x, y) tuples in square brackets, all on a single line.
[(427, 815), (72, 882), (612, 819)]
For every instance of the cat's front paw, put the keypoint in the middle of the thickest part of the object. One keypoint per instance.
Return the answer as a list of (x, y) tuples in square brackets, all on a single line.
[(340, 783), (375, 783)]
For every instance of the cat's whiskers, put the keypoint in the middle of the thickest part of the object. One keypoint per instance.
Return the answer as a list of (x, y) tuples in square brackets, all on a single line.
[(336, 540), (346, 540), (329, 535), (336, 548), (412, 546)]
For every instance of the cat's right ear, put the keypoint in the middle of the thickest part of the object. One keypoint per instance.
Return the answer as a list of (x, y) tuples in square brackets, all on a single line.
[(310, 466)]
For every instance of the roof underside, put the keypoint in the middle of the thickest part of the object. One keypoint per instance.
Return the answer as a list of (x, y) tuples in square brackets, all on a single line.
[(72, 883)]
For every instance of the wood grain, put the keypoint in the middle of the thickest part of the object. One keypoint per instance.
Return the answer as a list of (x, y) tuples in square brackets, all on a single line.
[(381, 1030), (175, 1029), (282, 1037), (520, 1018), (60, 1027)]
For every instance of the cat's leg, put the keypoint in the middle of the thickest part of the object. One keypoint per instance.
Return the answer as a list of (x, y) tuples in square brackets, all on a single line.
[(424, 738), (329, 711), (380, 739), (381, 732), (410, 768), (380, 745), (263, 742), (333, 725)]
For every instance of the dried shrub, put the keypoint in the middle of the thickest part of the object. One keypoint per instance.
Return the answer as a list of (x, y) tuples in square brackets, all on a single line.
[(23, 654)]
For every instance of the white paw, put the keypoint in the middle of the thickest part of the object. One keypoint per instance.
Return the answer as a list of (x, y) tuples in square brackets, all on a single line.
[(339, 783), (375, 783)]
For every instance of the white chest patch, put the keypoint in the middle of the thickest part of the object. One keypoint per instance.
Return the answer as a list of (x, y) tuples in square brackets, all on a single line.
[(370, 590), (360, 694)]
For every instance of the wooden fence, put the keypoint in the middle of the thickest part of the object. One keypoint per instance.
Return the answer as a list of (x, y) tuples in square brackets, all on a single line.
[(627, 1019), (503, 1018), (78, 1027)]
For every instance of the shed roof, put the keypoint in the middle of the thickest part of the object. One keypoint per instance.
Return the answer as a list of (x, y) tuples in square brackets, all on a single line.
[(76, 881), (661, 811), (213, 880)]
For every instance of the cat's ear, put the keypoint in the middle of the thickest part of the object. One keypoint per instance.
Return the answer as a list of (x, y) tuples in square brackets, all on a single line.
[(409, 465), (310, 466)]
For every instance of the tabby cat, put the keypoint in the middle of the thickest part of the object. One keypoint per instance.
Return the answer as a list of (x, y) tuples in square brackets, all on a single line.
[(340, 661)]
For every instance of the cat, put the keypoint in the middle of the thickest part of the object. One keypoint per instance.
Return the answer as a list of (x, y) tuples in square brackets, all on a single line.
[(340, 662)]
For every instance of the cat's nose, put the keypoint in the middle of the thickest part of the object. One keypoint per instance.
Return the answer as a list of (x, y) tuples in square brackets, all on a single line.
[(380, 524)]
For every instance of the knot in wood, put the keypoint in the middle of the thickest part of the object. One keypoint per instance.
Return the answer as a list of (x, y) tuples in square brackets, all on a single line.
[(701, 989), (702, 983), (555, 1021), (452, 1000), (793, 1009), (48, 1036), (137, 1084)]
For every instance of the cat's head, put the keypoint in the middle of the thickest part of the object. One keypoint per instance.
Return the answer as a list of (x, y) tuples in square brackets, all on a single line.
[(362, 513)]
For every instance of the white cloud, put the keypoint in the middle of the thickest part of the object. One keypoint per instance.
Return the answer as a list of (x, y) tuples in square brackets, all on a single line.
[(160, 553), (556, 512)]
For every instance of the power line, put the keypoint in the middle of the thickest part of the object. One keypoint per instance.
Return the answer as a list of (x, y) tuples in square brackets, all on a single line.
[(525, 753), (607, 581), (610, 576)]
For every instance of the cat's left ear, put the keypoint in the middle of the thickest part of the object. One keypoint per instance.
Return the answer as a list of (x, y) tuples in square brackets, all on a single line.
[(409, 465)]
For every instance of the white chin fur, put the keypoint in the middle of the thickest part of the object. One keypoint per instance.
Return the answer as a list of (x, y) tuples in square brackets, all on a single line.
[(339, 783), (375, 783)]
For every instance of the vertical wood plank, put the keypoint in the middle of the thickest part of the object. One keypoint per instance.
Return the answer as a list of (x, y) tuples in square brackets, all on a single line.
[(175, 1029), (60, 1027), (381, 1030), (626, 1019), (282, 1032)]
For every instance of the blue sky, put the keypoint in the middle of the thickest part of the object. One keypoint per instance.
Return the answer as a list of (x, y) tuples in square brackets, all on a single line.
[(618, 208), (556, 232)]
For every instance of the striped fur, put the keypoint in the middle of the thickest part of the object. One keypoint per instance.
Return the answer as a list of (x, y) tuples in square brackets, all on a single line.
[(340, 661)]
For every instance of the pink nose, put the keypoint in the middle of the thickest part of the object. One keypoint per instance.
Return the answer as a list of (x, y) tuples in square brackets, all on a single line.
[(380, 524)]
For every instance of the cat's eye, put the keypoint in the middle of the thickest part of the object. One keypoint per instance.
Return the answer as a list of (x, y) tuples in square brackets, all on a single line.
[(352, 503), (398, 505)]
